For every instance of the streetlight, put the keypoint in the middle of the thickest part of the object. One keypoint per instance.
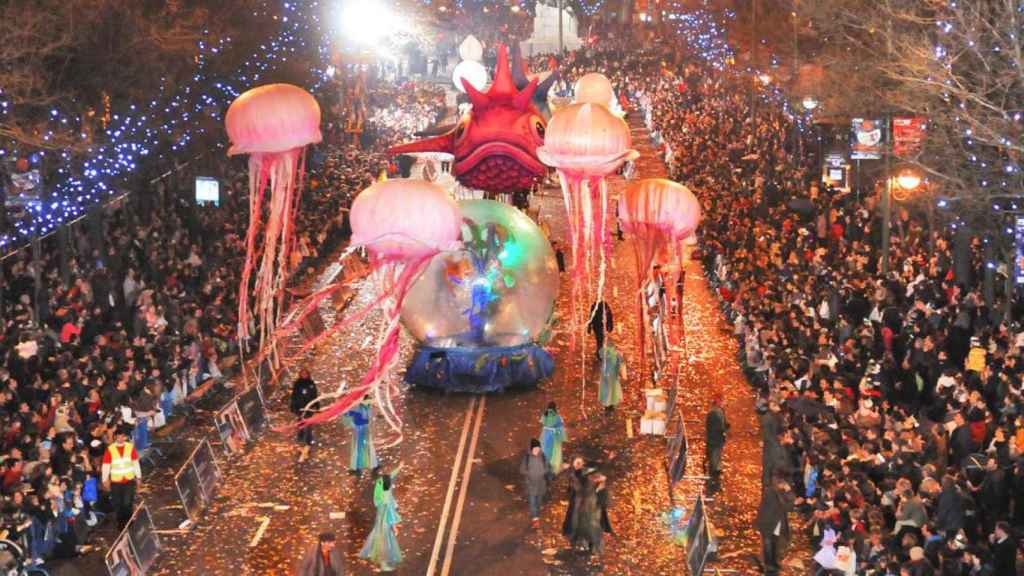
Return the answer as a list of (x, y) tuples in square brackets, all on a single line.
[(764, 78), (810, 103), (908, 180)]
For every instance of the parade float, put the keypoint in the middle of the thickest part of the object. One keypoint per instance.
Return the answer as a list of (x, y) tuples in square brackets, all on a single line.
[(479, 311)]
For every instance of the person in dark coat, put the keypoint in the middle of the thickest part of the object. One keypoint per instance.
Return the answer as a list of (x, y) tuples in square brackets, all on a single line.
[(772, 523), (600, 322), (715, 427), (1004, 551), (961, 444), (576, 478), (949, 511), (303, 404), (324, 559), (534, 468)]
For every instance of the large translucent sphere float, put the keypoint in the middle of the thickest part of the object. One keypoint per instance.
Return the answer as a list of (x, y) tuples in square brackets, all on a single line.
[(498, 290)]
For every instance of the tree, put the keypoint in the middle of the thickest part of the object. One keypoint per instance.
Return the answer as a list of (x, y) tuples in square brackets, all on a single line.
[(957, 62), (62, 62)]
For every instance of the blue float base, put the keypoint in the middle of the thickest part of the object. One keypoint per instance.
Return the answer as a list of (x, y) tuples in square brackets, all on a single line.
[(479, 369)]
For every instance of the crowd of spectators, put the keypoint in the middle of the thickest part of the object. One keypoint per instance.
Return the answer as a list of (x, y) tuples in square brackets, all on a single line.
[(120, 325), (892, 406)]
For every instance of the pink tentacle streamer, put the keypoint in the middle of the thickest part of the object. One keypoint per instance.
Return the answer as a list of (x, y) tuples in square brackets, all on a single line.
[(396, 287)]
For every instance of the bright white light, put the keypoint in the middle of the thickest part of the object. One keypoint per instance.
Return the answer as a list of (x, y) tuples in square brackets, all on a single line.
[(330, 71), (367, 21)]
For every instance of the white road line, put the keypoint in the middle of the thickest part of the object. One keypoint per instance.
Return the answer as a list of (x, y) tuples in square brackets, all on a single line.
[(463, 489), (259, 532), (451, 489)]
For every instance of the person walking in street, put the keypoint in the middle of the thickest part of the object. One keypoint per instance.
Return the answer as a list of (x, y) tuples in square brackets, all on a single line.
[(715, 427), (576, 477), (362, 455), (535, 470), (323, 559), (122, 475), (552, 436), (303, 404), (381, 546), (772, 523), (613, 370), (600, 323), (586, 518)]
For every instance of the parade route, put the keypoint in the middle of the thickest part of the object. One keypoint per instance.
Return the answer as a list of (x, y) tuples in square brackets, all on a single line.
[(459, 491)]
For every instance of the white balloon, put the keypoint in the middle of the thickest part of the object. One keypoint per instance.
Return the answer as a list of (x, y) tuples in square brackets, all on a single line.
[(471, 49), (473, 71)]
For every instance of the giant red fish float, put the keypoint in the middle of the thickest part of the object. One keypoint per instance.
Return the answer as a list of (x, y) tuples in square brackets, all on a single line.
[(495, 143)]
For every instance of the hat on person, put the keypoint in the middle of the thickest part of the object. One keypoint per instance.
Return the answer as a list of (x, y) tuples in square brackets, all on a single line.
[(534, 443)]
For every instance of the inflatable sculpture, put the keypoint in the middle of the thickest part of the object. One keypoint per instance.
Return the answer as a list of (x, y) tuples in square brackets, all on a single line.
[(479, 311), (658, 213), (272, 124), (495, 143)]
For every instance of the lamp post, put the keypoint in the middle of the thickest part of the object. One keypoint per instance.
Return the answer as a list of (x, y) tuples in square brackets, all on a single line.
[(907, 180)]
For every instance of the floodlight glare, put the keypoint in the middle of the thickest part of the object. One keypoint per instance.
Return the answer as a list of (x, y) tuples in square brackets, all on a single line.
[(367, 21)]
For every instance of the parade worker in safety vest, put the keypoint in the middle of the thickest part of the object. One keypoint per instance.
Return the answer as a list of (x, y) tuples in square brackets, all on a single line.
[(122, 475)]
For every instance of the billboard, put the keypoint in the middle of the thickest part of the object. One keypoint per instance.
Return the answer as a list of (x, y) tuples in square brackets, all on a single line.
[(867, 136)]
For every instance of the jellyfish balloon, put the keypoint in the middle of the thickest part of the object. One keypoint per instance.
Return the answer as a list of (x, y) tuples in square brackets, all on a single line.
[(402, 224), (586, 143), (272, 124), (659, 214)]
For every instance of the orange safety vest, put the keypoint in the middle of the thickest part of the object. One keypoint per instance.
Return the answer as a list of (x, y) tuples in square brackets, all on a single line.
[(122, 467)]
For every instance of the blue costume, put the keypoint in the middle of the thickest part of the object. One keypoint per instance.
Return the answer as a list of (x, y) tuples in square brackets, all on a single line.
[(363, 456), (551, 437), (610, 392), (382, 545)]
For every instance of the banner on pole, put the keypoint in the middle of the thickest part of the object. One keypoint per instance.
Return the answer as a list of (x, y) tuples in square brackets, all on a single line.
[(908, 134), (867, 138)]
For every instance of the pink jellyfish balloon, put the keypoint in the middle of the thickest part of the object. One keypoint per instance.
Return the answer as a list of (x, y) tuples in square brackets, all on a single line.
[(402, 224), (594, 88), (658, 213), (272, 124), (586, 143)]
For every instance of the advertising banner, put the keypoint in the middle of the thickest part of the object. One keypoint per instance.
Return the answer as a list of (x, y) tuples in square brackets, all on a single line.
[(908, 133), (197, 480), (250, 405), (867, 138)]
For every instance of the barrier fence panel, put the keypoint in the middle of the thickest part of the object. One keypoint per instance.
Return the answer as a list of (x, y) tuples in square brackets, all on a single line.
[(231, 428), (136, 548), (250, 405), (197, 480)]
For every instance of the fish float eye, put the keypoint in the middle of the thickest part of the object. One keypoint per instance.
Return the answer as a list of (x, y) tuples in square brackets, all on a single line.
[(538, 126)]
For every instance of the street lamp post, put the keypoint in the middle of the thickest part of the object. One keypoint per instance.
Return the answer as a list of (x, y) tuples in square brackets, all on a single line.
[(907, 180)]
